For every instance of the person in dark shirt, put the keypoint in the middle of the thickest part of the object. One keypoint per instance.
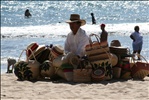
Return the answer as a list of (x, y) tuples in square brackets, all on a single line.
[(104, 34), (93, 19)]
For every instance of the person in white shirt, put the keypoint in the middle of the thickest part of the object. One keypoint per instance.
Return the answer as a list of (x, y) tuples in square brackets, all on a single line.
[(77, 39), (137, 41)]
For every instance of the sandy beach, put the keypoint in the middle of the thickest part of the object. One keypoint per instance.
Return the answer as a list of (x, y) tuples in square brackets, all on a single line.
[(12, 89)]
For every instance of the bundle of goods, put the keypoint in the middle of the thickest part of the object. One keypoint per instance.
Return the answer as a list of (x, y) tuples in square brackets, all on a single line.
[(64, 65), (98, 54), (122, 69), (140, 69), (35, 55), (41, 52), (83, 72), (27, 69)]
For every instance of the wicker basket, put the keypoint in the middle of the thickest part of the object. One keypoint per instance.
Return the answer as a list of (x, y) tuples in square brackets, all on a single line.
[(98, 75), (140, 70), (116, 72), (27, 70), (82, 75), (47, 69)]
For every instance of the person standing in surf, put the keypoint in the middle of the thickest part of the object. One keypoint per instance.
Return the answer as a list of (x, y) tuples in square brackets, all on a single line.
[(77, 39), (104, 34), (93, 18), (137, 41)]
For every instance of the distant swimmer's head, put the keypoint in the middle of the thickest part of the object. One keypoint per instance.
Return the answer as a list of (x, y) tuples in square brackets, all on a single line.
[(27, 13), (92, 14)]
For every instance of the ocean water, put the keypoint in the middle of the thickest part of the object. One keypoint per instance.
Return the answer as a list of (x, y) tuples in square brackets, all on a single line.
[(47, 24)]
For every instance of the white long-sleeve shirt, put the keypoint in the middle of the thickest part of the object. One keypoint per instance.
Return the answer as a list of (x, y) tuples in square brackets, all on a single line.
[(76, 43)]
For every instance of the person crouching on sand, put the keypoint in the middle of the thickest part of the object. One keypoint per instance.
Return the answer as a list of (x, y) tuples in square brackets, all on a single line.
[(77, 39)]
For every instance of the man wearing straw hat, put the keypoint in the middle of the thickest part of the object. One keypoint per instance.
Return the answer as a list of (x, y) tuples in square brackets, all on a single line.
[(77, 39)]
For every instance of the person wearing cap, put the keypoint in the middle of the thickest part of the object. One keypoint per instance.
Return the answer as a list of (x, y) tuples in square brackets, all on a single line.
[(104, 34), (137, 41), (77, 39)]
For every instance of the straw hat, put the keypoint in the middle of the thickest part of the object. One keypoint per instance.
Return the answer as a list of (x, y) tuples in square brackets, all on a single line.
[(115, 43), (37, 51), (57, 50), (76, 18), (33, 46)]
